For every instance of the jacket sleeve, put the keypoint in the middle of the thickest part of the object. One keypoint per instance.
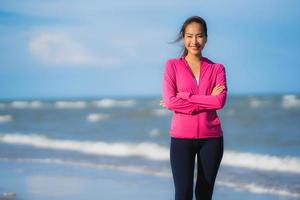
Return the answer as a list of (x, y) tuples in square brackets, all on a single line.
[(169, 93), (209, 101)]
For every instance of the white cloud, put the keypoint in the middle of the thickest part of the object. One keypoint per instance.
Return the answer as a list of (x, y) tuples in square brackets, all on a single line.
[(56, 48)]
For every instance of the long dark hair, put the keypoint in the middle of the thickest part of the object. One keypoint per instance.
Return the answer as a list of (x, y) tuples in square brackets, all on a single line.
[(181, 33)]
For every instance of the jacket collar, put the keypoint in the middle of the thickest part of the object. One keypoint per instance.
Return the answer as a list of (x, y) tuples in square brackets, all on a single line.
[(203, 61)]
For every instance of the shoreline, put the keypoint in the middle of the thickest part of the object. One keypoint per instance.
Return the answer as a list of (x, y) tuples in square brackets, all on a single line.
[(37, 181)]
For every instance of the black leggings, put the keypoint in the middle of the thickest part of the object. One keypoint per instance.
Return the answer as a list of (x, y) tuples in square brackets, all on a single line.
[(209, 153)]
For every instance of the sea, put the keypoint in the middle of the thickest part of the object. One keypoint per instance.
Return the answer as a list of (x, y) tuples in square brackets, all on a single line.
[(118, 148)]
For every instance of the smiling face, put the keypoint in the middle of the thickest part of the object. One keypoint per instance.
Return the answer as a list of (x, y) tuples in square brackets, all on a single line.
[(194, 38)]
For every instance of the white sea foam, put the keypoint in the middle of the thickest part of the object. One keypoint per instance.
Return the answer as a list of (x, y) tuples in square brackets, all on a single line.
[(154, 132), (70, 104), (261, 161), (126, 168), (255, 102), (27, 104), (153, 151), (146, 149), (162, 172), (5, 118), (161, 112), (107, 103), (95, 117), (290, 101), (258, 189), (19, 104)]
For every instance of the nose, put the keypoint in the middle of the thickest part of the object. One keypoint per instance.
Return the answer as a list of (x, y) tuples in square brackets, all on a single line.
[(194, 40)]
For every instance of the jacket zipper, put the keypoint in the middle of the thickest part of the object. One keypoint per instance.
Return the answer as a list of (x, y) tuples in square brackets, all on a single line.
[(187, 65)]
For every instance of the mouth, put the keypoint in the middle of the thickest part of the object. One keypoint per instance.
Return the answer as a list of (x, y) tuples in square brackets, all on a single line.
[(195, 47)]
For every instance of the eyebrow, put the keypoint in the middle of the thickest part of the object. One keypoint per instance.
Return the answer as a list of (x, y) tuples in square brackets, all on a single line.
[(202, 33)]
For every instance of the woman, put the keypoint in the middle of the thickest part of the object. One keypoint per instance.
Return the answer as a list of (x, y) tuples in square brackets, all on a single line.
[(194, 88)]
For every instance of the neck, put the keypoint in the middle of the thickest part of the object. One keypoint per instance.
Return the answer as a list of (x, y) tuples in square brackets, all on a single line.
[(193, 58)]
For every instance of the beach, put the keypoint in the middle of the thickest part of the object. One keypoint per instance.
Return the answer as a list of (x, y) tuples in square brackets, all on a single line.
[(119, 149), (39, 180)]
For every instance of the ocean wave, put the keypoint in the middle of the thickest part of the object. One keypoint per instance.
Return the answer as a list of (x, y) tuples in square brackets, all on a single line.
[(27, 104), (95, 117), (290, 101), (261, 161), (258, 189), (125, 168), (154, 132), (108, 103), (70, 104), (5, 118), (145, 149), (153, 151), (255, 102), (162, 172)]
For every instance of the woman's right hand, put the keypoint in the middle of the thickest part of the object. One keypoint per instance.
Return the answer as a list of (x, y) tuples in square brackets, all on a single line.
[(217, 90)]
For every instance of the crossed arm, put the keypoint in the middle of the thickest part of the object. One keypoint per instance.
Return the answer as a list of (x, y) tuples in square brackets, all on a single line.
[(188, 103)]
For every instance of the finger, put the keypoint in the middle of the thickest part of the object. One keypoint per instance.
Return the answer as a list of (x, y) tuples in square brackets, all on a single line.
[(221, 86), (218, 87)]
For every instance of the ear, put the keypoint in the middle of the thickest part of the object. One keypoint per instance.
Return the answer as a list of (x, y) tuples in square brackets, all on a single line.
[(206, 39)]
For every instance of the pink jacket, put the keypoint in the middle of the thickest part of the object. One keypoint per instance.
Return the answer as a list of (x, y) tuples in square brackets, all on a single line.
[(193, 106)]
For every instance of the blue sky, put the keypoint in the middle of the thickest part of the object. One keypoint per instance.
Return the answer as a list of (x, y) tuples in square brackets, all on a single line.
[(64, 49)]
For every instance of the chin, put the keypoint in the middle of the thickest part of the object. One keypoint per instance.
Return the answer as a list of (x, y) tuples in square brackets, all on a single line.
[(196, 53)]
